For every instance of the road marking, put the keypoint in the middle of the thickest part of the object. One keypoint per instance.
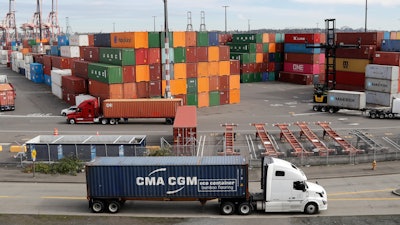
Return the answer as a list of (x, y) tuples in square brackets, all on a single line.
[(34, 115), (364, 199), (63, 197), (361, 192)]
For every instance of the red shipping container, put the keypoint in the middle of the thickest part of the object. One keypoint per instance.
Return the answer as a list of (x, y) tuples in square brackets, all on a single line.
[(154, 55), (387, 58), (91, 54), (181, 96), (191, 54), (223, 83), (74, 85), (259, 48), (155, 71), (224, 53), (69, 97), (185, 128), (130, 90), (266, 57), (364, 52), (296, 78), (235, 67), (367, 38), (224, 97), (80, 68), (271, 66), (47, 64), (190, 38), (248, 67), (348, 79), (191, 70), (155, 88), (62, 62), (314, 38), (91, 39), (143, 89), (105, 91), (279, 47), (38, 58), (128, 74), (303, 58), (141, 56), (213, 83), (301, 68), (202, 54)]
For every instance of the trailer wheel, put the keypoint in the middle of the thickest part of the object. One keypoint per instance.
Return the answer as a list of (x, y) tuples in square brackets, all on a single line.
[(311, 208), (227, 208), (114, 206), (71, 121), (372, 115), (104, 121), (316, 108), (113, 121), (244, 208), (381, 116), (332, 110), (97, 206), (169, 121), (324, 108)]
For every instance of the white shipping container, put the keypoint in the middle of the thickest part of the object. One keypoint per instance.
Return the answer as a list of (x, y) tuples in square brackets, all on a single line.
[(79, 40), (396, 105), (56, 90), (380, 98), (28, 59), (347, 99), (382, 72), (80, 98), (380, 85), (56, 76), (70, 51)]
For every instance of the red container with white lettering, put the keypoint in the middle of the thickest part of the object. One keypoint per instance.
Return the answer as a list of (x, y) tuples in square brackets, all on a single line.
[(313, 38), (301, 68)]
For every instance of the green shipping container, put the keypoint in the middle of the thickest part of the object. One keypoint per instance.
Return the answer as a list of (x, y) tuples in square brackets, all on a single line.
[(278, 57), (105, 73), (191, 85), (247, 38), (247, 78), (271, 76), (243, 48), (117, 56), (214, 98), (258, 77), (154, 39), (244, 57), (202, 39), (265, 47), (179, 55), (192, 99)]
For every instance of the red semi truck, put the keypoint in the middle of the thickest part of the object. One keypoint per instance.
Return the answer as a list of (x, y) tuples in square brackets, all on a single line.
[(111, 111), (7, 97)]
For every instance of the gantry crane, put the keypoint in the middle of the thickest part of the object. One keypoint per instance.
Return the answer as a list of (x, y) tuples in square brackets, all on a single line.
[(33, 29), (51, 28), (8, 25)]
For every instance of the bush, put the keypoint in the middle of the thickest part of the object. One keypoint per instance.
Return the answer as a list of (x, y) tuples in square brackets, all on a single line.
[(69, 165)]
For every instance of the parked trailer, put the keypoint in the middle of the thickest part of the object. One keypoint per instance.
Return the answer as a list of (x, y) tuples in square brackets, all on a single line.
[(111, 111), (7, 97), (113, 180), (354, 100)]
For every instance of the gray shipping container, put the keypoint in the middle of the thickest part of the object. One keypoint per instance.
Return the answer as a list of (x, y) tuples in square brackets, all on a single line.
[(171, 177), (347, 99), (380, 85), (380, 98), (385, 72)]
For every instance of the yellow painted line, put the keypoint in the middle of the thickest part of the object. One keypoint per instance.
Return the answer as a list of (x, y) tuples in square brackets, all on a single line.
[(64, 197), (361, 192), (7, 196), (363, 199)]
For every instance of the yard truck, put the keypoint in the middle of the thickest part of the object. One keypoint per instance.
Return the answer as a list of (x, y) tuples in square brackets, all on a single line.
[(112, 111), (284, 187)]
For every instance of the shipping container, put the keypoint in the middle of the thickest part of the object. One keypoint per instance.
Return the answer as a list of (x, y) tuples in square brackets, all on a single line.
[(364, 52), (143, 89), (61, 62), (387, 58), (70, 51), (214, 98), (380, 98), (102, 40), (304, 58), (203, 99), (117, 56), (202, 39), (303, 38), (351, 81), (79, 40), (178, 86), (154, 56), (141, 56), (128, 74), (390, 45), (185, 126), (155, 89), (129, 90), (247, 38), (105, 91), (142, 73), (105, 73), (191, 70), (180, 71), (300, 48), (202, 54), (347, 99), (122, 40), (80, 68), (7, 97), (366, 38), (74, 85), (155, 72), (352, 65), (380, 85), (382, 72), (56, 76), (179, 55), (191, 84), (224, 97), (191, 38), (296, 78), (234, 96), (301, 68), (154, 39), (91, 54)]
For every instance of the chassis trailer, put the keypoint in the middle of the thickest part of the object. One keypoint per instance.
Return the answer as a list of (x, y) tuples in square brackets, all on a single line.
[(284, 188)]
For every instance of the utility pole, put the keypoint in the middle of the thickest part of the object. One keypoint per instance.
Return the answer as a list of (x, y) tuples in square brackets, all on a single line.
[(166, 46), (225, 6), (154, 23), (366, 8)]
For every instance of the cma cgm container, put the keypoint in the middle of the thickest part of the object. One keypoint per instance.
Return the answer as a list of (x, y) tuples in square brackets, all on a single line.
[(110, 181)]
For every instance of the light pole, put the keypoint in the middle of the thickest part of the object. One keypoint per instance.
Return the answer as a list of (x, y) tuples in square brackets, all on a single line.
[(366, 7), (225, 6), (166, 46), (114, 27), (154, 19)]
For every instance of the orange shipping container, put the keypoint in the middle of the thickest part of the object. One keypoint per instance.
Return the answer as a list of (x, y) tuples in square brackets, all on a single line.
[(105, 91), (202, 69), (213, 83), (91, 40), (178, 86), (224, 68), (213, 53), (259, 57), (180, 71), (203, 99), (141, 39), (234, 82), (142, 73), (179, 39), (213, 68), (123, 40), (130, 90), (265, 38), (191, 38), (234, 96), (272, 47), (203, 84)]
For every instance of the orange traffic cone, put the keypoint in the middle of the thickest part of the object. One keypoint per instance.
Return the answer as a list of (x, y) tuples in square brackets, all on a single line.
[(97, 133), (55, 132)]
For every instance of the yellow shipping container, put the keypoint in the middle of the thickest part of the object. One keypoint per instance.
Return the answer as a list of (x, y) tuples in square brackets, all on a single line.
[(393, 35), (213, 68), (272, 47), (265, 38), (142, 73), (352, 65), (224, 68), (141, 39), (398, 35), (180, 71), (234, 96), (122, 39), (179, 39), (259, 57), (234, 81), (203, 99), (213, 53), (202, 69), (203, 84), (178, 87)]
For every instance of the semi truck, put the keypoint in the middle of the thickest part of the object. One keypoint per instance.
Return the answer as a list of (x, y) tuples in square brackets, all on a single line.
[(284, 187), (112, 111), (355, 100), (7, 97)]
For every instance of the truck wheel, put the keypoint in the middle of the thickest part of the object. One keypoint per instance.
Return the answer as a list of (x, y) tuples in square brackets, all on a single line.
[(113, 121), (104, 121), (316, 108), (331, 110), (114, 206), (169, 121), (390, 115), (71, 121), (324, 108), (372, 115), (227, 208), (311, 208), (381, 116), (244, 208), (97, 206)]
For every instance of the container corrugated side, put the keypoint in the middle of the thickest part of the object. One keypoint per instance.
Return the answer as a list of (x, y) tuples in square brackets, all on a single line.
[(167, 177), (117, 56), (385, 72), (380, 85), (106, 73), (347, 99), (380, 98), (185, 124)]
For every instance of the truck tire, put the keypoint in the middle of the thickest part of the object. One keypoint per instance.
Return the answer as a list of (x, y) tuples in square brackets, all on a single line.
[(227, 208), (113, 121), (114, 206), (372, 115), (71, 121), (104, 121), (316, 108), (324, 108), (169, 121), (382, 116), (97, 206), (311, 208), (390, 115), (244, 209)]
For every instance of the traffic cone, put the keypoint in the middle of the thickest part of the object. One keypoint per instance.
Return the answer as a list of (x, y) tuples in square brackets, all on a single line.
[(97, 133), (55, 132)]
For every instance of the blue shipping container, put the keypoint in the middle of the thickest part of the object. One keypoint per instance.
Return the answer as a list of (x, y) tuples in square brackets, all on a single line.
[(55, 50), (62, 40), (167, 177), (300, 48), (102, 40), (390, 45), (213, 38)]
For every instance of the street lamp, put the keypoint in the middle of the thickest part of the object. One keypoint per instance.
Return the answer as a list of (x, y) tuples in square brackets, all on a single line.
[(366, 7), (154, 19), (225, 6)]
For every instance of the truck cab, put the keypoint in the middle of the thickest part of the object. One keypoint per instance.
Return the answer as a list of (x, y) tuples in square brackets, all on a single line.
[(86, 112), (285, 188)]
